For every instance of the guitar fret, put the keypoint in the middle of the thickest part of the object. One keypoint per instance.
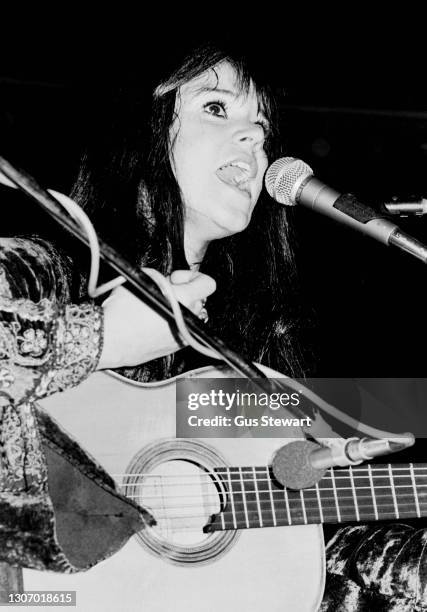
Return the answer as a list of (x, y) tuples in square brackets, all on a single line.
[(303, 506), (278, 500), (273, 510), (374, 501), (327, 501), (310, 506), (267, 498), (417, 505), (296, 506), (285, 491), (385, 493), (420, 478), (238, 498), (353, 490), (257, 498), (233, 510), (393, 492), (335, 496), (223, 523), (319, 503), (244, 497), (364, 503), (345, 494), (251, 495), (404, 492)]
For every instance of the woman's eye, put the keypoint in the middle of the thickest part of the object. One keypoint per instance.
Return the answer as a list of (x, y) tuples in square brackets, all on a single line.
[(215, 108)]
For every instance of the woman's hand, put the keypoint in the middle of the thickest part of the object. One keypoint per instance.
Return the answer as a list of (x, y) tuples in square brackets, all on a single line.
[(135, 334)]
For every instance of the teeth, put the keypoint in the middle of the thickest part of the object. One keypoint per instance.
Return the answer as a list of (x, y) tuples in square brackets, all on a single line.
[(242, 166), (239, 164)]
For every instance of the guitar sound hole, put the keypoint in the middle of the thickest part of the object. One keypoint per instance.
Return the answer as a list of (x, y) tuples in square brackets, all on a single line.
[(176, 481), (181, 497)]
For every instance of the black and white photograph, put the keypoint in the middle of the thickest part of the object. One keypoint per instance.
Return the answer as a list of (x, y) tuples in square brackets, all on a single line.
[(213, 319)]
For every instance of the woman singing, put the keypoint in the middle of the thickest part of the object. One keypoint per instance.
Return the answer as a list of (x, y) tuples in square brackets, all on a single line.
[(173, 179)]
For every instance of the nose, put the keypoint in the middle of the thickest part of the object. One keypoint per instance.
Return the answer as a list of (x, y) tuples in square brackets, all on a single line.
[(249, 133)]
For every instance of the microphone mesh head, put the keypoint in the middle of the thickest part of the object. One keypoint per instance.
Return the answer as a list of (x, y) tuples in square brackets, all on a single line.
[(282, 176)]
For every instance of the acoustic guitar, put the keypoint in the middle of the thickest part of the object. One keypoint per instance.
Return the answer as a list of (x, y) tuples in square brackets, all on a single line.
[(228, 536)]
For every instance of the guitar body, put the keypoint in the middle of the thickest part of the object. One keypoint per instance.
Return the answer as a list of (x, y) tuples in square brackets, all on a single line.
[(177, 566)]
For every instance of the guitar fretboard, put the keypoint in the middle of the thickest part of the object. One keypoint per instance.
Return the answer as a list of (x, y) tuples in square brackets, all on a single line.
[(361, 493)]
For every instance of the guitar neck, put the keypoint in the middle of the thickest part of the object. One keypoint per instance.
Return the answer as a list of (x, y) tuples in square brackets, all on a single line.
[(253, 498)]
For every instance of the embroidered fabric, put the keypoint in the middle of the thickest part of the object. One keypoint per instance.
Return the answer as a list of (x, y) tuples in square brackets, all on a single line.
[(21, 462), (77, 344), (43, 349), (46, 345)]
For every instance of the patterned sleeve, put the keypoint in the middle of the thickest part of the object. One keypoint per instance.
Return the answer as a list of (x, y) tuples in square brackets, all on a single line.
[(46, 344)]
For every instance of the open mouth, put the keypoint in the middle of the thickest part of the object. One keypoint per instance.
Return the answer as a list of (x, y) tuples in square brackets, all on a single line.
[(237, 174)]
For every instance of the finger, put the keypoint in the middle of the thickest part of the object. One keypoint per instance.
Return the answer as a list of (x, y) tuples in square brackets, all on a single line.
[(197, 306), (205, 284), (181, 276), (197, 289)]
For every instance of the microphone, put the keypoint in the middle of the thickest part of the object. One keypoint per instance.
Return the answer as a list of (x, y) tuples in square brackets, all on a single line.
[(302, 463), (290, 181)]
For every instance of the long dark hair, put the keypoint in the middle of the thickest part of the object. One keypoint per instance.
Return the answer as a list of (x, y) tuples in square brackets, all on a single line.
[(127, 186)]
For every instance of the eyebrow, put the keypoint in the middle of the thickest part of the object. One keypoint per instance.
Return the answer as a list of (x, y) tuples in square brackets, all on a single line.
[(229, 92), (219, 90)]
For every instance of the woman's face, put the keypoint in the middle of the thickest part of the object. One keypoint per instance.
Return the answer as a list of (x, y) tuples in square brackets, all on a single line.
[(217, 155)]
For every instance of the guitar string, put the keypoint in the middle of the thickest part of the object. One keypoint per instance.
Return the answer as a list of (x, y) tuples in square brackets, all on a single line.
[(343, 508), (229, 525), (307, 502), (420, 488), (310, 505), (268, 504), (265, 492), (188, 529), (406, 507), (248, 469), (329, 515), (296, 519), (202, 479)]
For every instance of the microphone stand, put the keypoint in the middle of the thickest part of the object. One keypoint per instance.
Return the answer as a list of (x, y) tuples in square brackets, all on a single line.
[(140, 283), (303, 463)]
